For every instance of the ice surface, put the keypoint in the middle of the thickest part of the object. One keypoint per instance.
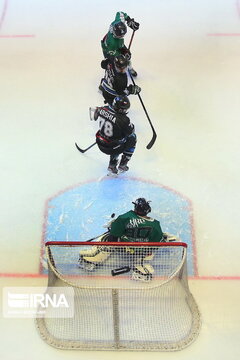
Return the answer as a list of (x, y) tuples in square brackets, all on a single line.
[(187, 56)]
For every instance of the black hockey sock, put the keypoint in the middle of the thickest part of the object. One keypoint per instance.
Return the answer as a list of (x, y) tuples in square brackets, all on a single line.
[(125, 159), (113, 160)]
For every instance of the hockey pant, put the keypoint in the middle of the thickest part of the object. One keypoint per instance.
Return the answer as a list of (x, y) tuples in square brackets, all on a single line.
[(125, 146), (109, 93), (108, 98)]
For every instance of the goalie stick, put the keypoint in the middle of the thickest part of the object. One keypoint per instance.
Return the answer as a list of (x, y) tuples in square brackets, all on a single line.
[(106, 232)]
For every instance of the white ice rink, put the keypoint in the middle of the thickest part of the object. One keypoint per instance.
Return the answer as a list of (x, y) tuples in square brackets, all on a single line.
[(187, 54)]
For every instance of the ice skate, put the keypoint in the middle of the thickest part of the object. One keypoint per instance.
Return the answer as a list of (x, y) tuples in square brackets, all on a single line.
[(123, 164), (112, 172), (123, 168), (112, 167)]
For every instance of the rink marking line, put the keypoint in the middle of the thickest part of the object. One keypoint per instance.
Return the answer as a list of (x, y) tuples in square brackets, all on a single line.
[(19, 275), (2, 18), (3, 14), (238, 7), (229, 34)]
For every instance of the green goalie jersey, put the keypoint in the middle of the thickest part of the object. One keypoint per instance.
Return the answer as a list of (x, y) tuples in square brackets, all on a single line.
[(110, 45), (134, 228)]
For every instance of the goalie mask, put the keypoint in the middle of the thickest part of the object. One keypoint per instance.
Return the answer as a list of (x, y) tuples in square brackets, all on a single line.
[(141, 206)]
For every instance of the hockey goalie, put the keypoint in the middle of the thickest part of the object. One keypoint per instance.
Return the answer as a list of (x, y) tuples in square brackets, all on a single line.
[(132, 226)]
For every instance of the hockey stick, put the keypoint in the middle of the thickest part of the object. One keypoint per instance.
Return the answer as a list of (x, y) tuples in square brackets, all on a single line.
[(139, 96), (84, 150), (154, 136), (106, 232), (130, 43)]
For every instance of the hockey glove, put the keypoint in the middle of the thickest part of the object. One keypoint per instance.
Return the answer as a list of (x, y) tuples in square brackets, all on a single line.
[(133, 89), (128, 55), (169, 238), (132, 24), (104, 63), (93, 113)]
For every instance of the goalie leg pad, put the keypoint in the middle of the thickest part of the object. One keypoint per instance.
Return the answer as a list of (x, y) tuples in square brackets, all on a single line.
[(149, 268), (142, 273), (98, 258), (89, 252), (85, 264), (89, 263), (90, 258), (149, 257)]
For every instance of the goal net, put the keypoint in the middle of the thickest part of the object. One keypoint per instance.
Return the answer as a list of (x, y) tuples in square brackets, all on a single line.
[(127, 296)]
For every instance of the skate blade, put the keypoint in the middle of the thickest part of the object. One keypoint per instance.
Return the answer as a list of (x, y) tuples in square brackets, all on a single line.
[(112, 174), (122, 171)]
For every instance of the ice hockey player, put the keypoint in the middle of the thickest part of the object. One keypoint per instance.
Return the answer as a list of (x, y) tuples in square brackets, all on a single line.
[(113, 42), (136, 226), (116, 133), (115, 80), (132, 226)]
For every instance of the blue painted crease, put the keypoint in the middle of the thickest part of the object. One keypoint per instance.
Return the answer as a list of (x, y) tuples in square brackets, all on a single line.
[(80, 213)]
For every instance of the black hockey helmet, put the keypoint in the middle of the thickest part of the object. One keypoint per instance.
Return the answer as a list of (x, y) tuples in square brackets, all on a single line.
[(119, 30), (141, 206), (120, 62), (121, 104)]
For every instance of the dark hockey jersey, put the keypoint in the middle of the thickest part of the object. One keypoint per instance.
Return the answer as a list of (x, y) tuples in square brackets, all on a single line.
[(113, 126), (114, 82)]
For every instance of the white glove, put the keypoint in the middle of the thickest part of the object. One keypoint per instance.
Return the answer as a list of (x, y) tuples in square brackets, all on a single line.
[(93, 113)]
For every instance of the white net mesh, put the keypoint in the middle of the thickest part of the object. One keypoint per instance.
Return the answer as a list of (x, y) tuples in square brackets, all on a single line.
[(127, 297)]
